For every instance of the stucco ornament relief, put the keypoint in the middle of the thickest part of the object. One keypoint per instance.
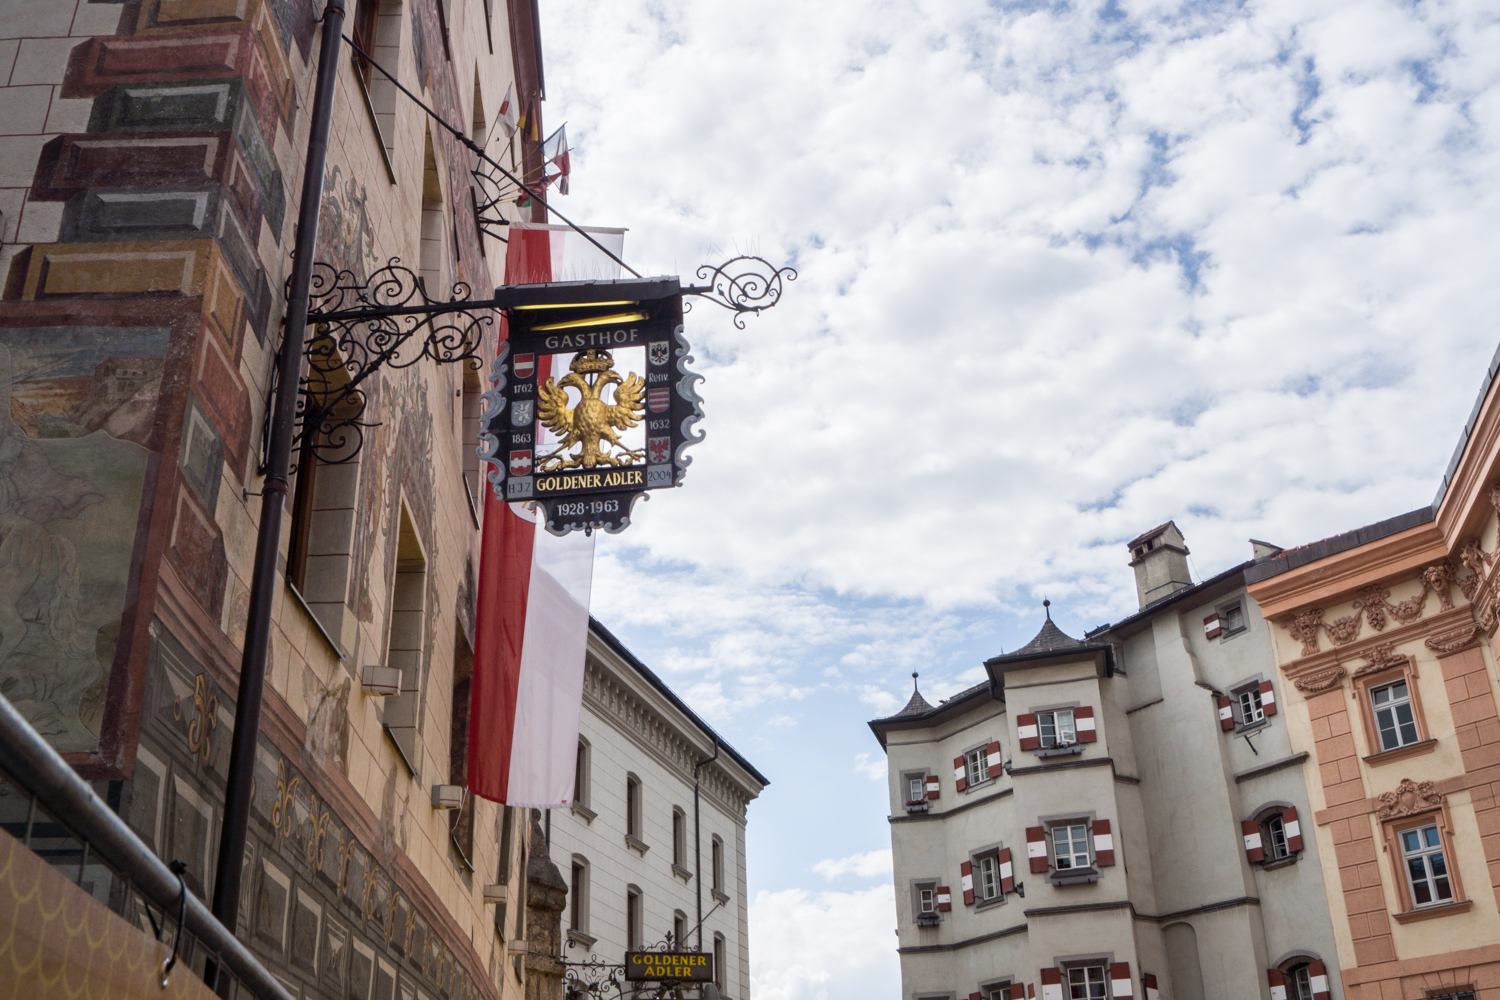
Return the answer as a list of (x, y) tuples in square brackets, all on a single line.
[(1320, 680), (1380, 658), (1372, 604), (1409, 798), (1453, 640)]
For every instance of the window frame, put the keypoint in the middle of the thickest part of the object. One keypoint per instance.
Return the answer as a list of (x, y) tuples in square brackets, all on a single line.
[(1223, 610), (721, 960), (1403, 668), (1088, 843), (578, 895), (977, 762), (1393, 829), (1084, 966), (679, 928), (679, 837), (635, 909), (633, 797), (983, 879), (582, 774), (716, 863), (921, 917), (1053, 714)]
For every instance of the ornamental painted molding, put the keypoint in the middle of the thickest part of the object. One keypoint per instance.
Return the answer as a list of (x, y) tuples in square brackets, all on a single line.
[(1372, 605), (1409, 798), (1380, 658), (1453, 640), (1319, 681)]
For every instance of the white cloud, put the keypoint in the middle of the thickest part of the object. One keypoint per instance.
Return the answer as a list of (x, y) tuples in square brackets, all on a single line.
[(819, 945), (870, 864), (871, 768)]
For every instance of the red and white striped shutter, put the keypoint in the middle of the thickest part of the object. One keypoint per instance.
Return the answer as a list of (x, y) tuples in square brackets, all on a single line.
[(976, 996), (958, 774), (1052, 984), (1254, 849), (1028, 737), (992, 756), (1120, 987), (966, 878), (1036, 849), (934, 787), (1317, 977), (1148, 982), (1031, 991), (1226, 713), (1083, 724), (1267, 698), (1104, 844), (1292, 827), (944, 899), (1278, 984), (1007, 872), (1211, 627)]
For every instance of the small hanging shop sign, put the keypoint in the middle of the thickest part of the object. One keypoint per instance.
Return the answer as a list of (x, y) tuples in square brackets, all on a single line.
[(669, 966), (593, 403)]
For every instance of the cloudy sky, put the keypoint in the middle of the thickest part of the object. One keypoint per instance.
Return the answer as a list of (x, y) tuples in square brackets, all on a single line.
[(1067, 270)]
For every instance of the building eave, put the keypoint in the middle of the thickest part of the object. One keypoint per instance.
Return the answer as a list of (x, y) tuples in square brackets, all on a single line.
[(1208, 590)]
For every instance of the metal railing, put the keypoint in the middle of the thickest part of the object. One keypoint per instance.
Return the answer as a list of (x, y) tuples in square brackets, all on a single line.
[(56, 814)]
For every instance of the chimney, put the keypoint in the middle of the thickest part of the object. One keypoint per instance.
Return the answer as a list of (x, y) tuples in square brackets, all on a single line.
[(1159, 558)]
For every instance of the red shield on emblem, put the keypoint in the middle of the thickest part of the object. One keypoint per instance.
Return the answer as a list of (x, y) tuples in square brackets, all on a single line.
[(658, 450), (658, 400), (525, 365), (520, 463)]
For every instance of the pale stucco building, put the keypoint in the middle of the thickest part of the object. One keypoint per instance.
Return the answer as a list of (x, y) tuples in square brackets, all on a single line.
[(1117, 816), (629, 845)]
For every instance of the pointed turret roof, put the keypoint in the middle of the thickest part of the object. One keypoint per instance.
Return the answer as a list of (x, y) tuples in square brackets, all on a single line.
[(1049, 639)]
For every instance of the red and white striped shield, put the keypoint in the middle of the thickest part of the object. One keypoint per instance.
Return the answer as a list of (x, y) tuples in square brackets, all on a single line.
[(525, 365), (659, 399)]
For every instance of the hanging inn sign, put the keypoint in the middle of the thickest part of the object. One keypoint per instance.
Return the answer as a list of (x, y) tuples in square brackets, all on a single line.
[(593, 403)]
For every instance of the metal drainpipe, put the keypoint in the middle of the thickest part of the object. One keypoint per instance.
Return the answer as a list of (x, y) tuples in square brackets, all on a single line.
[(698, 844), (273, 496)]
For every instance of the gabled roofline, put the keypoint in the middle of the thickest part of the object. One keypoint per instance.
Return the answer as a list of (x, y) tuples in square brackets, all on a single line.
[(1197, 591)]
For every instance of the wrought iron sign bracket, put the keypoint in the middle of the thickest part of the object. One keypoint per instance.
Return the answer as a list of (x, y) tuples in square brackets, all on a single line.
[(389, 321)]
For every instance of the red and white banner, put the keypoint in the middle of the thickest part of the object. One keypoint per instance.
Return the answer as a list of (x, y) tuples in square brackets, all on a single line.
[(532, 621)]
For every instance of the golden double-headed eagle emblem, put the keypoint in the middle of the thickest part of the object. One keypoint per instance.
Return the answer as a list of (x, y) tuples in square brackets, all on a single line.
[(590, 426)]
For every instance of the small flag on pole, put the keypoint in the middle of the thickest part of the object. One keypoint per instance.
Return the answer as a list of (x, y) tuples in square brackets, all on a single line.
[(506, 119), (555, 153)]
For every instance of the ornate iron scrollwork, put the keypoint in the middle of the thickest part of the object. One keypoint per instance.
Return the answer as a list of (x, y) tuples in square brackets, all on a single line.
[(596, 979), (360, 327), (741, 285)]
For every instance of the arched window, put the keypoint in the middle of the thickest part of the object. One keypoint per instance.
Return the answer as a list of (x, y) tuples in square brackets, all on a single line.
[(632, 917), (578, 895), (1303, 976), (721, 959), (717, 864), (633, 806), (679, 837), (679, 929), (581, 775)]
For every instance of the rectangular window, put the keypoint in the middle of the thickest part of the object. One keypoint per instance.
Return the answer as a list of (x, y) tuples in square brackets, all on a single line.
[(1251, 710), (721, 959), (1276, 838), (679, 838), (916, 790), (575, 898), (1002, 992), (976, 763), (633, 806), (1232, 619), (1070, 846), (679, 928), (1393, 715), (1426, 869), (717, 864), (1056, 728), (1087, 982), (989, 877), (926, 901)]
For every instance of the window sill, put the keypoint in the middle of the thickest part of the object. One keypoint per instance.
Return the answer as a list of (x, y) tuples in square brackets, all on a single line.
[(976, 785), (1429, 912), (1228, 634), (1401, 753), (1060, 751), (988, 904), (639, 846), (580, 938), (579, 809), (681, 872), (1270, 866), (332, 644), (1253, 727), (720, 897), (1074, 876)]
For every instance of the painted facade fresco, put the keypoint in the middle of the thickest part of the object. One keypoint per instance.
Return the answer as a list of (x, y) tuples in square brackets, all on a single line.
[(147, 235)]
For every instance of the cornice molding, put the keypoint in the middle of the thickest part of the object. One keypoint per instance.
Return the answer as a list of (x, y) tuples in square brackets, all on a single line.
[(1335, 578), (614, 700), (1326, 668), (1464, 508)]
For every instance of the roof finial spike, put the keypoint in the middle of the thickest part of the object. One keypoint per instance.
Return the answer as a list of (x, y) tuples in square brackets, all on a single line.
[(913, 682), (1047, 607)]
